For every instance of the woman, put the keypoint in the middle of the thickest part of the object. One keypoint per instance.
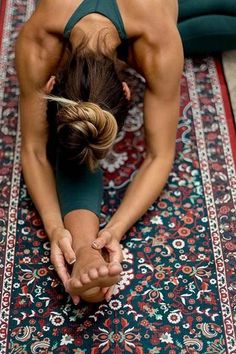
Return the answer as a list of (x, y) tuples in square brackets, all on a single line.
[(59, 39)]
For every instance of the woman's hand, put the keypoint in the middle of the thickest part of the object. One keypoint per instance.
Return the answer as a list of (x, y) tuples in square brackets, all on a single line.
[(61, 250), (108, 239)]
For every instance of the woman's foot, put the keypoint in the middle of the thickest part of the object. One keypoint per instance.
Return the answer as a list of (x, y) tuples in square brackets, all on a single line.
[(91, 273)]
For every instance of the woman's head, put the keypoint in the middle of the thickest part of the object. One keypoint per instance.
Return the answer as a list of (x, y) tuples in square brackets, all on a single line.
[(93, 107), (85, 131)]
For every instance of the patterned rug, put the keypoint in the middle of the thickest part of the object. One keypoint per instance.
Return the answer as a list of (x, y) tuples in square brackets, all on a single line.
[(178, 290)]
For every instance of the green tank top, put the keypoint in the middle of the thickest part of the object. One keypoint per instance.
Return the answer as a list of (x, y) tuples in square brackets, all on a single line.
[(107, 8)]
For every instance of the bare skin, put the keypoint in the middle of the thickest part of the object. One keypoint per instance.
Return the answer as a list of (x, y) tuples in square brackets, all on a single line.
[(91, 271), (156, 52)]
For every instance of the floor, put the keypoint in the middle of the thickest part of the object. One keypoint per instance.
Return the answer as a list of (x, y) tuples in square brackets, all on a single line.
[(229, 63)]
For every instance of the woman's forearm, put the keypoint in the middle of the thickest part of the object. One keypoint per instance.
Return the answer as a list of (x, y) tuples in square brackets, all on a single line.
[(141, 193), (40, 182)]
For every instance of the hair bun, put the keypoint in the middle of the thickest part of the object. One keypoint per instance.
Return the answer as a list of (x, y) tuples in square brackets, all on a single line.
[(85, 131)]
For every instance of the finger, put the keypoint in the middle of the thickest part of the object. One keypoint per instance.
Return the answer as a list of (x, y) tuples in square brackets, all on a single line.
[(115, 254), (116, 257), (109, 293), (67, 250), (62, 273), (58, 262), (104, 290), (75, 299), (102, 239)]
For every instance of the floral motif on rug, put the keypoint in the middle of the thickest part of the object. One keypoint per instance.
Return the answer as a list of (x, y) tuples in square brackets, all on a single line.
[(177, 292)]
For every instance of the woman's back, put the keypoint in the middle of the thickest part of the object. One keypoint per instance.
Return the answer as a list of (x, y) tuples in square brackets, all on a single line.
[(132, 19)]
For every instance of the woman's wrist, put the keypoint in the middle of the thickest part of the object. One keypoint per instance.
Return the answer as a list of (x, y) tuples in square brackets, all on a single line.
[(116, 229), (56, 233), (52, 225)]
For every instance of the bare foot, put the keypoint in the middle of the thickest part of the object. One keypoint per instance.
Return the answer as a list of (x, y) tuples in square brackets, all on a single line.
[(91, 273)]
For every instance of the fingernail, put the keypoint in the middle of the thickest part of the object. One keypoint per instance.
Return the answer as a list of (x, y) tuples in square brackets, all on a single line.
[(95, 244), (72, 262), (76, 302), (109, 298)]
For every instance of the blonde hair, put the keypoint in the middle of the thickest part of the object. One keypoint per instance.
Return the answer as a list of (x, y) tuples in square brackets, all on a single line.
[(91, 130)]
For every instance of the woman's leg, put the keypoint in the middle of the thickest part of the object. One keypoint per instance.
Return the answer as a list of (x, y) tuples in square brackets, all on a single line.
[(80, 195), (207, 26), (78, 187), (84, 225), (90, 272)]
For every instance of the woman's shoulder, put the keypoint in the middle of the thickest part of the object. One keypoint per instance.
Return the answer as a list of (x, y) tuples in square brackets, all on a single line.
[(49, 17), (148, 18)]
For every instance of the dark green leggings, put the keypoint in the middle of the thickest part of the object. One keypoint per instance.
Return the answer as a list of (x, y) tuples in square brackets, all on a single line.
[(79, 189), (207, 26)]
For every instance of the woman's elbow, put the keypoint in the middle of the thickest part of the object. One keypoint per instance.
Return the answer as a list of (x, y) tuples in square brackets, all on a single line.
[(32, 153), (167, 157)]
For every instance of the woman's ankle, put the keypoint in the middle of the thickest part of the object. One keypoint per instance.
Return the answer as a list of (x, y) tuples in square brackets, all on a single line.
[(83, 226)]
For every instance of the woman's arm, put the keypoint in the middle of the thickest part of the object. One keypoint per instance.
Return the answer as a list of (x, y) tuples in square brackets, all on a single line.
[(34, 66), (35, 63), (162, 67)]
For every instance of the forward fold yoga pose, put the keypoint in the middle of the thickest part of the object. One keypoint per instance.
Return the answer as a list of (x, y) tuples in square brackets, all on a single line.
[(68, 52)]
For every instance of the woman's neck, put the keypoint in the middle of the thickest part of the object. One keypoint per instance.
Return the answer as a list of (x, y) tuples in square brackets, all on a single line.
[(100, 32)]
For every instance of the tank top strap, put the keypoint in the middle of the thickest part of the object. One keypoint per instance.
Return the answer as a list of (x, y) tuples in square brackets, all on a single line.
[(107, 8)]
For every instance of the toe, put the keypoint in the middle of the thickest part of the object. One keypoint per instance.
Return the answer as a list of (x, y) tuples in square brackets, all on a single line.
[(85, 278), (115, 268), (93, 273), (103, 271)]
